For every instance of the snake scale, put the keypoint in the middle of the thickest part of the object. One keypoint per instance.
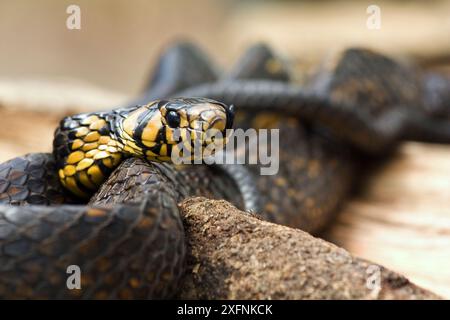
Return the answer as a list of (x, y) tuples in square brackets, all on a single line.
[(106, 199)]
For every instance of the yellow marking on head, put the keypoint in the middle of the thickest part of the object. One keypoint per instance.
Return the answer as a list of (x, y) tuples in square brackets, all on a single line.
[(208, 114), (179, 152), (196, 124), (84, 179), (198, 110), (188, 146), (90, 146), (92, 136), (83, 164), (81, 132), (133, 145), (185, 134), (150, 153), (89, 120), (163, 150), (61, 174), (125, 135), (149, 143), (183, 121), (72, 186), (169, 136), (96, 174), (92, 153), (102, 147), (220, 112), (130, 150), (219, 125), (111, 149), (129, 124), (198, 135), (163, 111), (77, 143), (105, 140), (107, 162), (97, 125), (69, 170), (75, 157), (151, 130), (101, 155), (116, 157)]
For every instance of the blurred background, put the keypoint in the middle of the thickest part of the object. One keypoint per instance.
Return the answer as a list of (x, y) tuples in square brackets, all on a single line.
[(402, 220), (120, 39)]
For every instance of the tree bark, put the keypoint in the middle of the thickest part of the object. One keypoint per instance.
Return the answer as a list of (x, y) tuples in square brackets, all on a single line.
[(235, 255)]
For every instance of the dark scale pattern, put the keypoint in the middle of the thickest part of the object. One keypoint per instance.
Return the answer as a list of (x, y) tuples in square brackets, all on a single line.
[(31, 179), (86, 150), (67, 130), (128, 242), (135, 177), (133, 250)]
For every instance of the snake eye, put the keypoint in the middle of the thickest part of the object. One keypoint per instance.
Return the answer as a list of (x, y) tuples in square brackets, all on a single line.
[(173, 119)]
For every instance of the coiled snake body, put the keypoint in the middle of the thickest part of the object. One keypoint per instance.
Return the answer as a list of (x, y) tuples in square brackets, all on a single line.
[(128, 240)]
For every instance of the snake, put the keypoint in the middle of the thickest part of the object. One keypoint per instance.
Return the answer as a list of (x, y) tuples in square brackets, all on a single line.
[(106, 199)]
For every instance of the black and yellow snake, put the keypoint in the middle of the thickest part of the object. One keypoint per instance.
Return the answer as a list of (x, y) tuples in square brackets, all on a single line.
[(128, 240)]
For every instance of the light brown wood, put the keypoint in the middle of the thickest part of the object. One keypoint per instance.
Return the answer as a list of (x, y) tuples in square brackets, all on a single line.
[(403, 218)]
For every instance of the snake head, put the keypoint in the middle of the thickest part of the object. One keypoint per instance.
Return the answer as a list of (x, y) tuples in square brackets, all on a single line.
[(182, 125)]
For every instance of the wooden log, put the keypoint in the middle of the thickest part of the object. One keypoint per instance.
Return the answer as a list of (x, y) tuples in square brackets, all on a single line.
[(234, 255)]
